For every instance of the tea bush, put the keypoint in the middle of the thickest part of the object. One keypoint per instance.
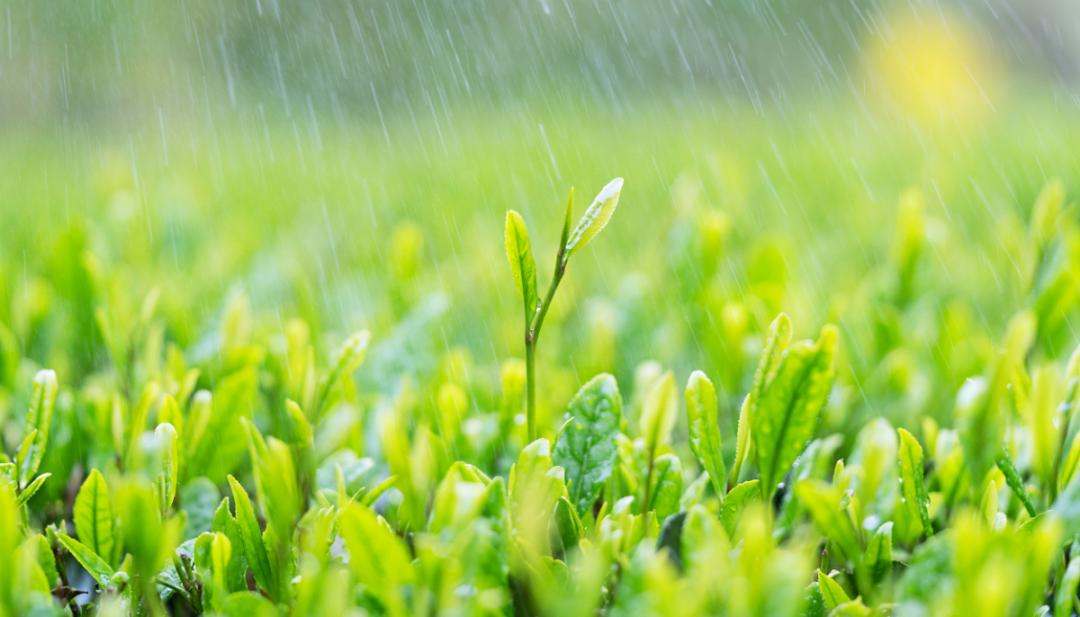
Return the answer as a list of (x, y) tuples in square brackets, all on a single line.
[(185, 448)]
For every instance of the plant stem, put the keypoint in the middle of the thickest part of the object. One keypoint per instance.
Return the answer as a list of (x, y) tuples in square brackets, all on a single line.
[(532, 335), (530, 386), (648, 490)]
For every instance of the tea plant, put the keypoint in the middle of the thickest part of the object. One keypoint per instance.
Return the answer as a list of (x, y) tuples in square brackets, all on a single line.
[(523, 265), (279, 468)]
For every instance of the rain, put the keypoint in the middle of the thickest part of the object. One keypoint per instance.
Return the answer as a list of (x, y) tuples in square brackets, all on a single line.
[(539, 307)]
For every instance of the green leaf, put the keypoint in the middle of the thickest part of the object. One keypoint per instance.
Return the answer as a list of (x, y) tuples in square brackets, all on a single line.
[(38, 418), (831, 591), (825, 505), (567, 524), (667, 486), (736, 500), (1065, 594), (165, 483), (43, 555), (377, 557), (568, 220), (784, 417), (586, 446), (31, 489), (879, 553), (218, 445), (522, 264), (200, 498), (912, 484), (94, 516), (349, 358), (275, 481), (658, 413), (88, 559), (247, 604), (1013, 480), (300, 432), (814, 603), (225, 524), (213, 552), (596, 216), (776, 341), (742, 440), (704, 427), (251, 539)]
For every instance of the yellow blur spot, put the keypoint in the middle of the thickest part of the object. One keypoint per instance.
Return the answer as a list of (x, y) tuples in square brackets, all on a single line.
[(931, 66)]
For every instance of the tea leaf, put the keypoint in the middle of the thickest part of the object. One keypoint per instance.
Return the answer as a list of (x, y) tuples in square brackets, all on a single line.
[(823, 502), (586, 446), (251, 539), (1016, 484), (667, 486), (94, 565), (165, 485), (658, 412), (1065, 595), (522, 263), (912, 484), (94, 515), (596, 216), (783, 419), (704, 428), (31, 489), (377, 557), (833, 594), (736, 500), (567, 524), (879, 553), (39, 419)]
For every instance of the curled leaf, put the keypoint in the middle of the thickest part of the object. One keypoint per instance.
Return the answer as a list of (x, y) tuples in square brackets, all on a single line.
[(596, 216)]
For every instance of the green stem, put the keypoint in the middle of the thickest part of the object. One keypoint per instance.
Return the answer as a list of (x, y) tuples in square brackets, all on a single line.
[(1013, 480), (532, 335), (648, 491)]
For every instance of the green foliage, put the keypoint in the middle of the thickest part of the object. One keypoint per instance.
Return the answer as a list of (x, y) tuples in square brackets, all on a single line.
[(244, 454), (523, 267)]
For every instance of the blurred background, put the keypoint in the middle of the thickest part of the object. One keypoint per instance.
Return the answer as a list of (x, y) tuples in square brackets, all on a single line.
[(349, 162)]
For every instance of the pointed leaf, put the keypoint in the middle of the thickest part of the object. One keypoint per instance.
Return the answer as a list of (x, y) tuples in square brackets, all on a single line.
[(251, 538), (704, 427), (658, 412), (165, 483), (377, 557), (39, 418), (522, 263), (94, 515), (667, 486), (784, 418), (31, 489), (88, 559), (912, 483), (596, 216), (831, 591), (586, 446)]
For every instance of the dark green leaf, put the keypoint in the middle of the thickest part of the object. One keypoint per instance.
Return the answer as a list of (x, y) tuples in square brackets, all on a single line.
[(586, 446)]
